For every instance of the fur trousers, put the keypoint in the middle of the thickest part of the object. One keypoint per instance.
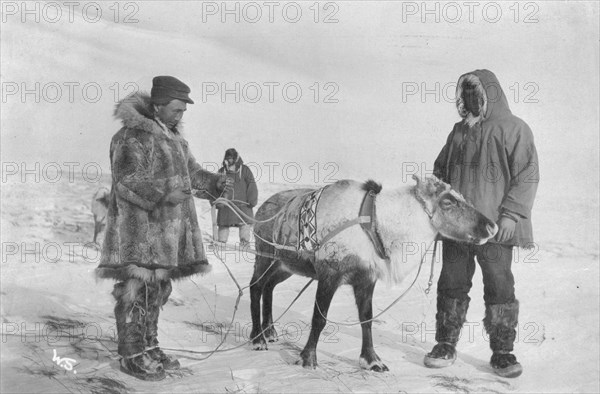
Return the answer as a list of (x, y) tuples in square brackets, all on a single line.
[(138, 305)]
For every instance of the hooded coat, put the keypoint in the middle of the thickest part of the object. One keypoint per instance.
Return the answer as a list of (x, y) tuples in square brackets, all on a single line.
[(147, 238), (491, 158), (244, 194)]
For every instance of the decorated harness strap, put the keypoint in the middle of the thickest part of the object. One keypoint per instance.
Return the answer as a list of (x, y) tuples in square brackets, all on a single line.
[(307, 222), (308, 226)]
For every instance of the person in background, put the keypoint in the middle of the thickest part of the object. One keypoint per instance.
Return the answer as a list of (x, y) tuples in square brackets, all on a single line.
[(152, 233), (490, 158), (244, 194)]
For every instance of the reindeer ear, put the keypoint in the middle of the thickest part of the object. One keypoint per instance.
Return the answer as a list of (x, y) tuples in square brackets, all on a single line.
[(436, 186), (427, 187), (424, 192), (422, 188)]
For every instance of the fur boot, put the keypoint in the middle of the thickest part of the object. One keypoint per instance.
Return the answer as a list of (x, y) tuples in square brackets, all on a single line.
[(156, 300), (450, 317), (131, 316), (500, 323)]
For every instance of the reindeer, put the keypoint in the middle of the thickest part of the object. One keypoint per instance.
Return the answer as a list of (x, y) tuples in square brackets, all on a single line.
[(99, 209), (357, 255)]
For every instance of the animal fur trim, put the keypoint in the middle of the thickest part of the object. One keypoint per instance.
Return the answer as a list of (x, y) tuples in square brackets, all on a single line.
[(152, 273), (128, 292), (135, 112), (469, 118)]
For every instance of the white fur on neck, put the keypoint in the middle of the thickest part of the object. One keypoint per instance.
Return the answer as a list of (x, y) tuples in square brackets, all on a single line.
[(470, 119), (402, 223), (405, 229)]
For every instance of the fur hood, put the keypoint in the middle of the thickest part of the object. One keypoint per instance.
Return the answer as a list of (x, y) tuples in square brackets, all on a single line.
[(488, 92), (135, 112), (238, 166)]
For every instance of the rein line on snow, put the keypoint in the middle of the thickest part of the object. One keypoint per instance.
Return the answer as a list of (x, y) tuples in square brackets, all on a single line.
[(275, 258)]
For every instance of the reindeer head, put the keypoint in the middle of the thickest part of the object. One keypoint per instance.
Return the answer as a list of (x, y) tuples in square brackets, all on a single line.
[(451, 215)]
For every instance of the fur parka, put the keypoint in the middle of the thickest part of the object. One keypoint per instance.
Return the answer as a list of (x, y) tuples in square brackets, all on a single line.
[(147, 238)]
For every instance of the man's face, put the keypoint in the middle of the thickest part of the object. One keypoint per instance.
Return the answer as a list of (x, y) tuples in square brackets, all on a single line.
[(171, 113), (471, 99)]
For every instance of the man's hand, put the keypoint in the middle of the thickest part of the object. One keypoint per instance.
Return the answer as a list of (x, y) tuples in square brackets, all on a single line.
[(506, 229), (224, 182), (177, 196)]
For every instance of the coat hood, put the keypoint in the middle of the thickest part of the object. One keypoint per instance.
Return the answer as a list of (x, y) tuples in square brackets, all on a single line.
[(135, 112), (488, 95), (233, 154), (238, 165)]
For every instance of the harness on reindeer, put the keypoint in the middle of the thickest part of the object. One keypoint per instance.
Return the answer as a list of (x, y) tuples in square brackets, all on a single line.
[(296, 229)]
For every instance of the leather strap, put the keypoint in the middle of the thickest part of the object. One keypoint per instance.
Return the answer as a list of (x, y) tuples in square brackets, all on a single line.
[(367, 208), (359, 220)]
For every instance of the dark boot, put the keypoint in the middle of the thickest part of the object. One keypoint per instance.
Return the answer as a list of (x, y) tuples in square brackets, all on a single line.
[(143, 367), (500, 322), (169, 363), (158, 297), (130, 314), (450, 317)]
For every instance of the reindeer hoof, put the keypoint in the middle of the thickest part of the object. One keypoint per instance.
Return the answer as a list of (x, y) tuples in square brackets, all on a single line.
[(309, 364), (380, 368), (309, 359), (271, 335), (259, 344), (375, 365)]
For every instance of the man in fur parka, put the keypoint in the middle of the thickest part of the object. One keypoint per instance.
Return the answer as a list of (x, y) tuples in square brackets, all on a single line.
[(490, 158), (152, 233), (243, 193)]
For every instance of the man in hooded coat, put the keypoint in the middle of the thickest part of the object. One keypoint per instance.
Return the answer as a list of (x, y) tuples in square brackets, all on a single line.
[(490, 158), (152, 233), (243, 193)]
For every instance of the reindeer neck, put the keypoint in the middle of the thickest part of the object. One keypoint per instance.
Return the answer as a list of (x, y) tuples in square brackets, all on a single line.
[(402, 218), (405, 230)]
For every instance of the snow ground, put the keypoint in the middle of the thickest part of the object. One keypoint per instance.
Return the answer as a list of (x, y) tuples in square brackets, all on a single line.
[(51, 304)]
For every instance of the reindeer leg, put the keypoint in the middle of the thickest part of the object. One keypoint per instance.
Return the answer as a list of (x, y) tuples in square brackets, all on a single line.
[(269, 331), (263, 274), (256, 289), (363, 293), (325, 291)]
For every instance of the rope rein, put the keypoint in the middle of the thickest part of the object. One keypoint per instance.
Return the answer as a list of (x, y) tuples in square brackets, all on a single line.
[(237, 301), (215, 246), (249, 220), (430, 283)]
